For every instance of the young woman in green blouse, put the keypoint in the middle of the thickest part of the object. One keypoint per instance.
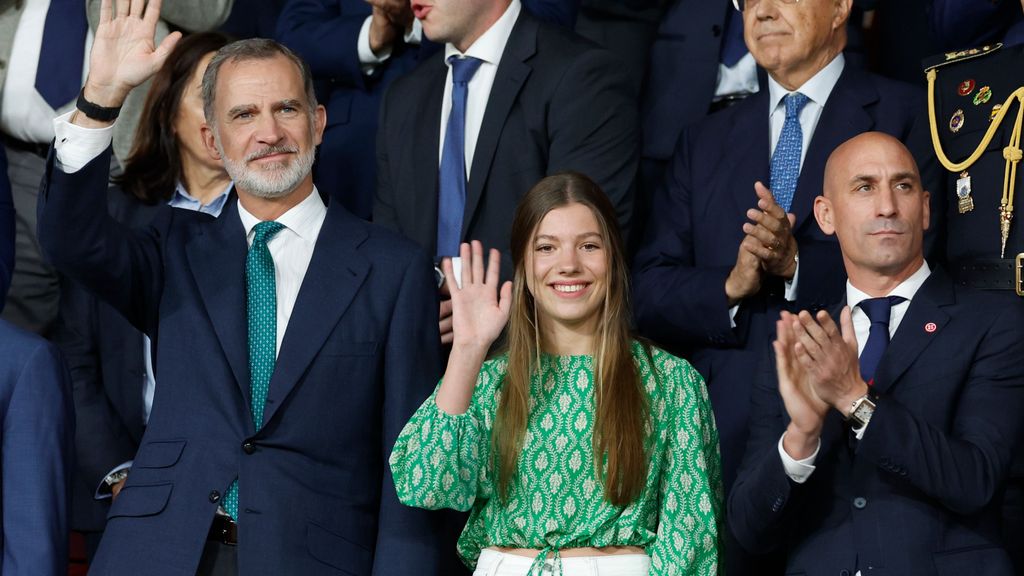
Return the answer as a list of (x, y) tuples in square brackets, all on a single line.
[(579, 449)]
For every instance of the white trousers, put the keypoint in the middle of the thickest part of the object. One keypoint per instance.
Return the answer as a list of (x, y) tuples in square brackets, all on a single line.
[(494, 563)]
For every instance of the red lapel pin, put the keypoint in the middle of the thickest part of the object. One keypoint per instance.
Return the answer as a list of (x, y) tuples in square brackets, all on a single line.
[(930, 327)]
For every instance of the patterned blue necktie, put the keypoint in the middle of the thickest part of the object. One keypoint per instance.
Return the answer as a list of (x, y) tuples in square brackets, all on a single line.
[(786, 160), (451, 203), (878, 311), (62, 53), (261, 309)]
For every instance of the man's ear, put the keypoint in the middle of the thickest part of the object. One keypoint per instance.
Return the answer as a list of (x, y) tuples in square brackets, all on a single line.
[(319, 123), (210, 141), (823, 214)]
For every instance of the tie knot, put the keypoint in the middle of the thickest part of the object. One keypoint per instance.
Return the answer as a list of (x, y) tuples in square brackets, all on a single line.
[(879, 309), (264, 231), (464, 68), (794, 104)]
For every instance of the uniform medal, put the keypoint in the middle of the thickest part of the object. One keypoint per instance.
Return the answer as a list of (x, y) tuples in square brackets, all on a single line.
[(957, 121), (965, 87), (995, 112), (984, 95), (963, 193)]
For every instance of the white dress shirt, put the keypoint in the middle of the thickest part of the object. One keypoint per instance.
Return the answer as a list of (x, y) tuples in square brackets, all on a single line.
[(800, 470), (24, 114), (488, 48), (738, 80), (817, 89)]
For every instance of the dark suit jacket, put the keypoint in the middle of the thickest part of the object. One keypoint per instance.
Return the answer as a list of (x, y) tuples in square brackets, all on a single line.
[(105, 355), (918, 494), (558, 103), (37, 425), (695, 230), (359, 355), (325, 34), (6, 229)]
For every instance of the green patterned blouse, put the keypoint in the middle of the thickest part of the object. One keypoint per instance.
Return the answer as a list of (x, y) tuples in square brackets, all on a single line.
[(555, 501)]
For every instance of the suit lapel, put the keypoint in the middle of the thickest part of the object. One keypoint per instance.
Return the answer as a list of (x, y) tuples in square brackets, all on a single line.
[(843, 117), (750, 155), (213, 253), (425, 126), (923, 322), (511, 75), (335, 273)]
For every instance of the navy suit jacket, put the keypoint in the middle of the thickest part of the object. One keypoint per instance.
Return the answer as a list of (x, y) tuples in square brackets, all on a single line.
[(360, 354), (558, 103), (6, 229), (104, 353), (695, 229), (919, 493), (37, 425)]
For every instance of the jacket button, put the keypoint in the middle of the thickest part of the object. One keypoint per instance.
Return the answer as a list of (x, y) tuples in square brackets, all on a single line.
[(214, 496), (859, 503), (844, 573), (248, 447)]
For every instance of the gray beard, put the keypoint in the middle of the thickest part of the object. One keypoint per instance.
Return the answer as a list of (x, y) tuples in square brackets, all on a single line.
[(272, 181)]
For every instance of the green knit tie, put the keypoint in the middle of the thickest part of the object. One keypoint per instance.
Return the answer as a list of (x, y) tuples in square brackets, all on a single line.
[(261, 309)]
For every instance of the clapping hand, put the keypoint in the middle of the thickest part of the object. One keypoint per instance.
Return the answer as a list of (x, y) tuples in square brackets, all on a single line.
[(806, 410), (828, 354), (772, 228), (123, 51)]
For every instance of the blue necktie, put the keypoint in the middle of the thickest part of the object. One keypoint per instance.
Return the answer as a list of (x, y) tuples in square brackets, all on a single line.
[(786, 159), (62, 53), (451, 203), (734, 48), (878, 311), (261, 310)]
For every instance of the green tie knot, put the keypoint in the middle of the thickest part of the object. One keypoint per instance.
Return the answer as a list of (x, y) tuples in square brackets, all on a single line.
[(266, 230)]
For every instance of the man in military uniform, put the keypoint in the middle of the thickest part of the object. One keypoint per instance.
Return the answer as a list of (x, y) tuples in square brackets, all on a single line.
[(975, 106)]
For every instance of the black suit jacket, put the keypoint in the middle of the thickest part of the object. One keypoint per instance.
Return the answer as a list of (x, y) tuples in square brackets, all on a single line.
[(558, 103), (919, 493)]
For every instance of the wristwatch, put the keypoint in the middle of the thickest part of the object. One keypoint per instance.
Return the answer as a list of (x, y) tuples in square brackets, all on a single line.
[(861, 411), (115, 477)]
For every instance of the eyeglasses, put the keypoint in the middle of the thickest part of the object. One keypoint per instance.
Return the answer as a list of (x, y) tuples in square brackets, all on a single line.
[(742, 5)]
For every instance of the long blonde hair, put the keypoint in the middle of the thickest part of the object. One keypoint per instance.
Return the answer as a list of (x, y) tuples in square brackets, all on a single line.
[(621, 404)]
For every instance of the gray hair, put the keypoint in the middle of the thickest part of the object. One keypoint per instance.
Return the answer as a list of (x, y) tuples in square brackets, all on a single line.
[(251, 49)]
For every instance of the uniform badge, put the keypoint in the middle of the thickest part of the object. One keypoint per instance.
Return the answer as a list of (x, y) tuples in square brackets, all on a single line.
[(966, 87), (995, 112), (984, 95), (963, 193), (957, 121)]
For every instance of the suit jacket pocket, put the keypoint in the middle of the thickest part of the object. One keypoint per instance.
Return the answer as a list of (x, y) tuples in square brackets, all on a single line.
[(162, 454), (337, 551), (145, 500), (974, 560)]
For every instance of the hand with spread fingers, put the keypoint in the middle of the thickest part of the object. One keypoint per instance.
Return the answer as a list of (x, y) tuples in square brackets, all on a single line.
[(772, 229), (123, 52), (805, 408), (828, 354), (480, 310)]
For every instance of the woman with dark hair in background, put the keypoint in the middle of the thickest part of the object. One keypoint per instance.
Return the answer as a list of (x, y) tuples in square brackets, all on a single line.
[(580, 449), (111, 367)]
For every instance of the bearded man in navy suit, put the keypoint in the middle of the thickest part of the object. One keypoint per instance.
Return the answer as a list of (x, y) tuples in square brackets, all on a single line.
[(292, 341)]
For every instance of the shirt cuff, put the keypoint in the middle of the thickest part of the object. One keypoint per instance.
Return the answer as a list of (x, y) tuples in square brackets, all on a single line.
[(367, 59), (791, 283), (798, 470), (733, 311), (103, 490), (75, 146)]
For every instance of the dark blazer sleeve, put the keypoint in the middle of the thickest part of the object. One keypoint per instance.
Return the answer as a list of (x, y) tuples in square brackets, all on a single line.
[(560, 12), (408, 539), (594, 129), (6, 229), (102, 438), (963, 469), (677, 301), (120, 266), (36, 462), (325, 35)]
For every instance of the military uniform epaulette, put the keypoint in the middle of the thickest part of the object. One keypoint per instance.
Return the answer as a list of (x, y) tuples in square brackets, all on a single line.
[(959, 56)]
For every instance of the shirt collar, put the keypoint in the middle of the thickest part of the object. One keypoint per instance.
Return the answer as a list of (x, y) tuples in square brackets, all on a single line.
[(491, 44), (182, 199), (907, 289), (817, 89), (304, 219)]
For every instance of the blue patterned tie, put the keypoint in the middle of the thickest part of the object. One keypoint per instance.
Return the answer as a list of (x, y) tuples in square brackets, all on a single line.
[(786, 160), (62, 53), (451, 203), (261, 309), (878, 311)]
